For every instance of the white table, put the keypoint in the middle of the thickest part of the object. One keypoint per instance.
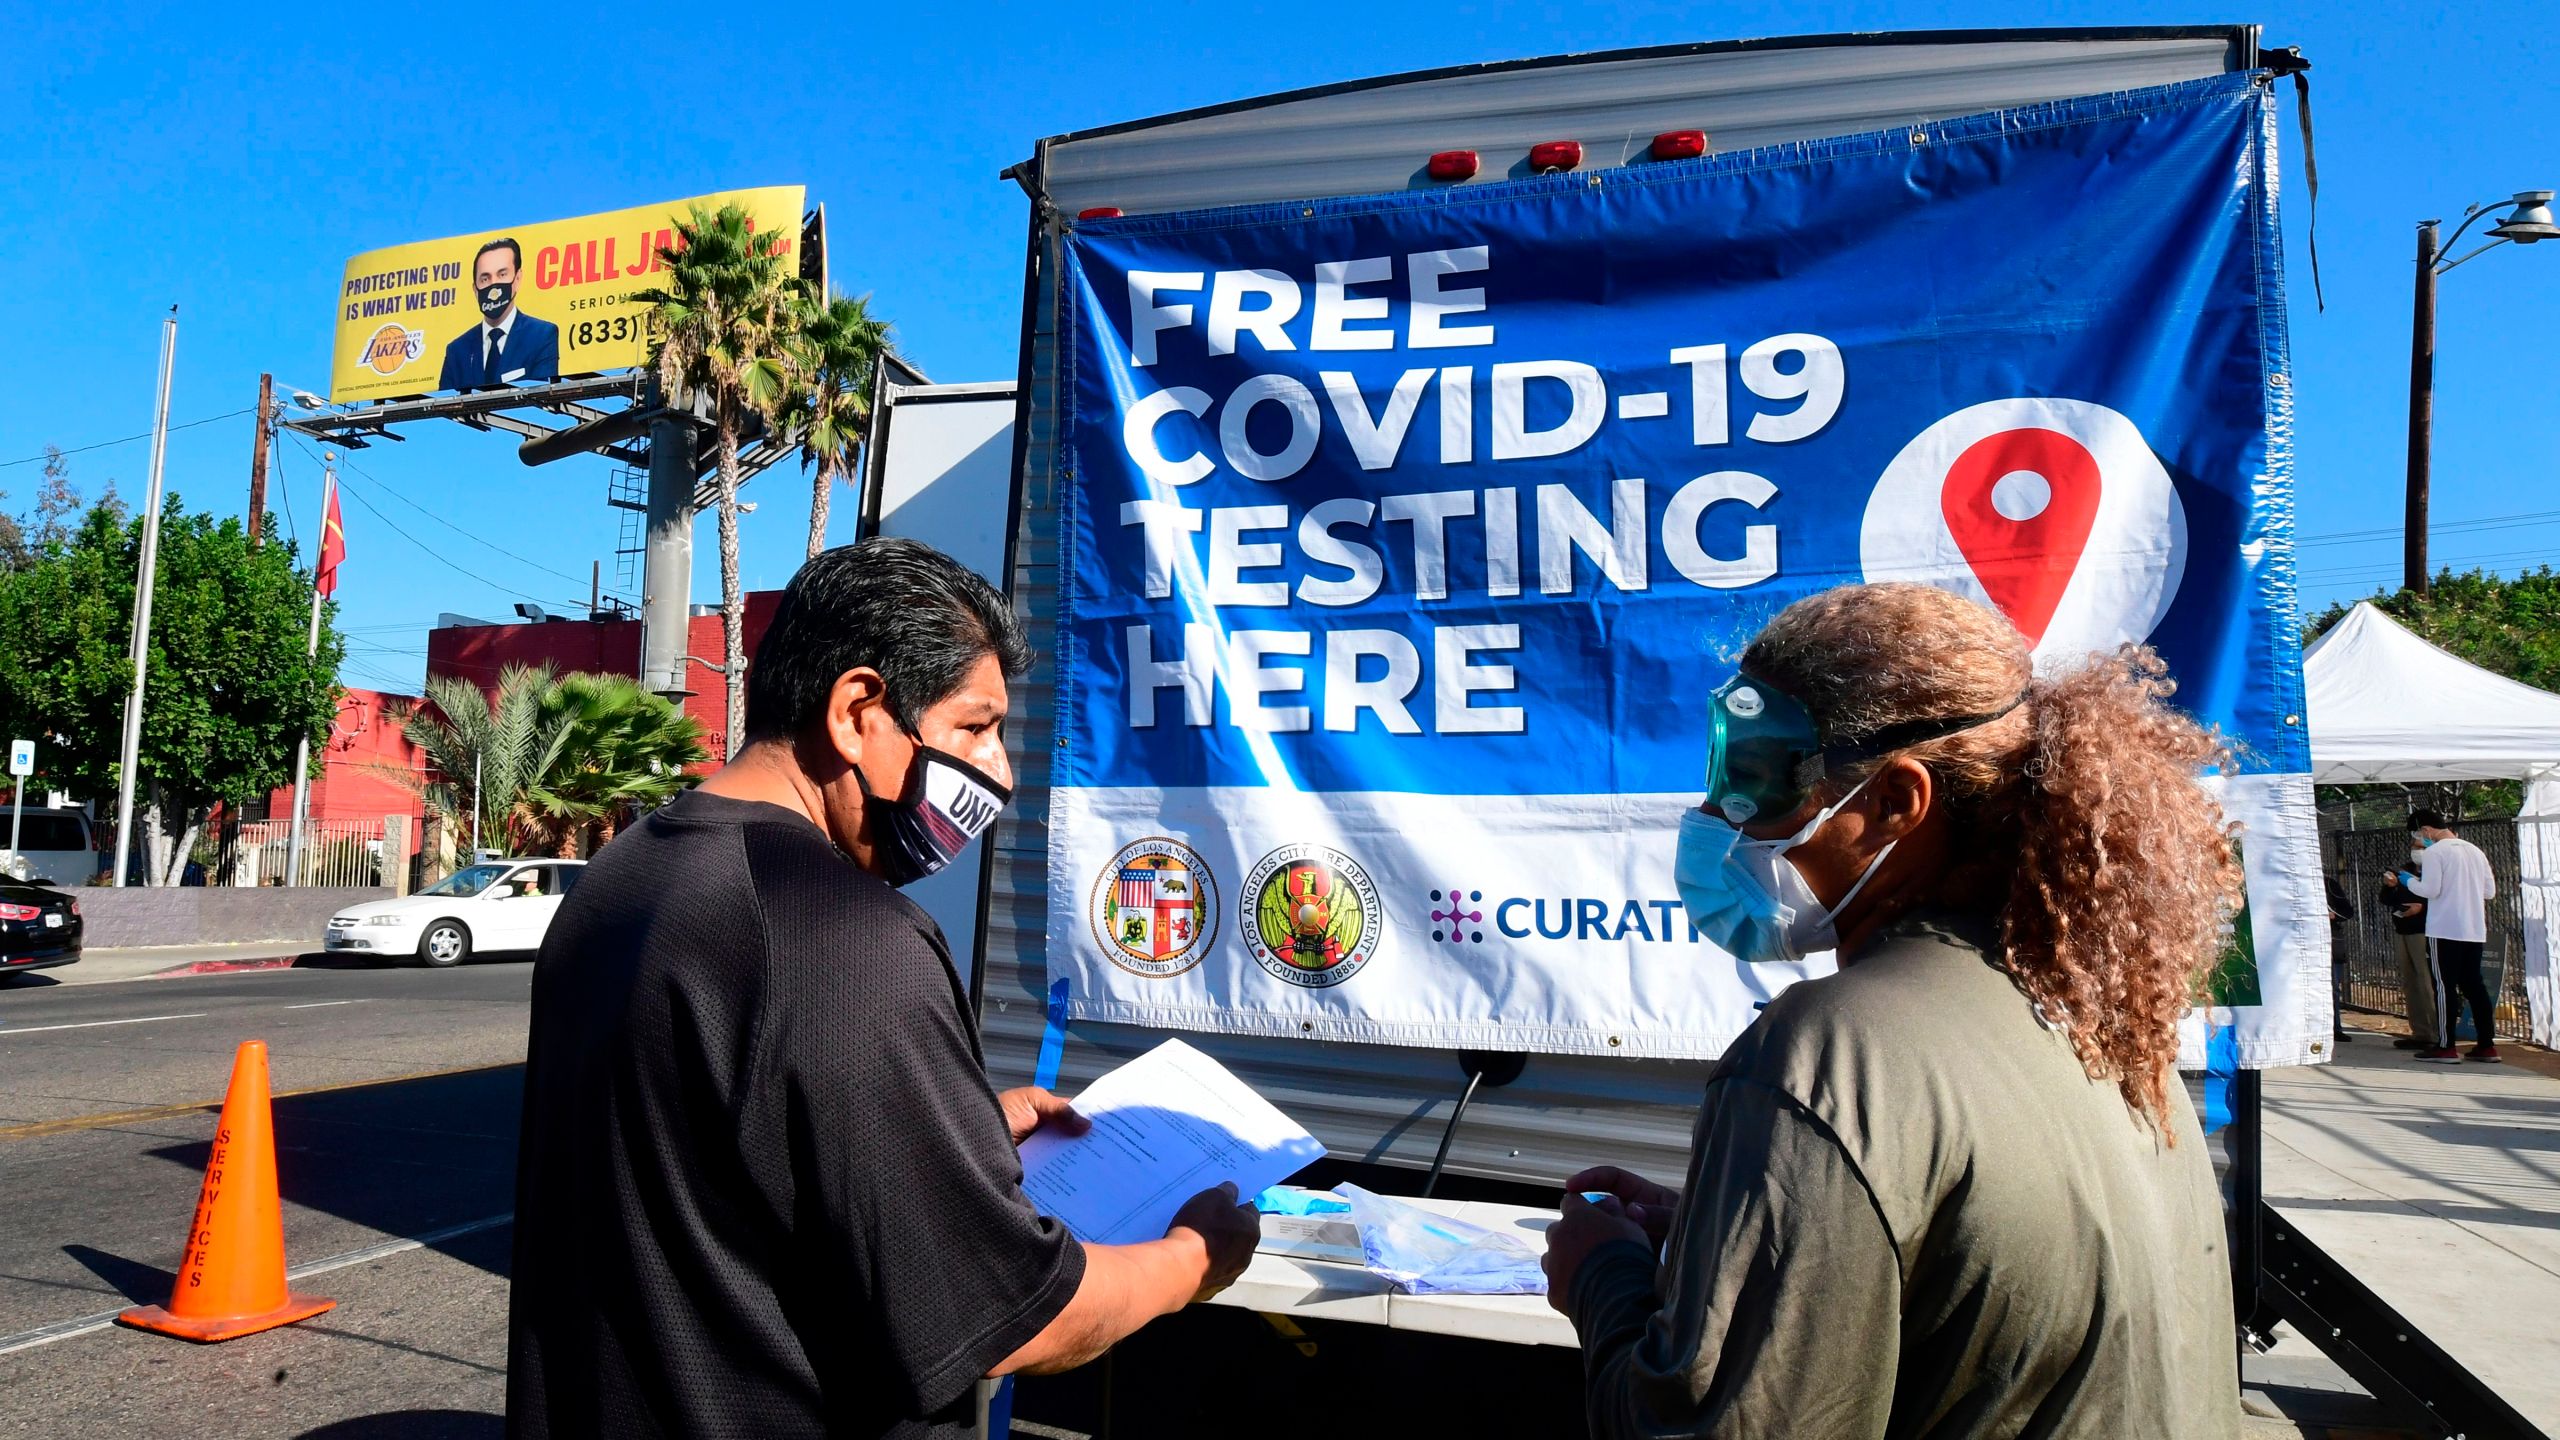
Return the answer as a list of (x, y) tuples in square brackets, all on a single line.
[(1324, 1290)]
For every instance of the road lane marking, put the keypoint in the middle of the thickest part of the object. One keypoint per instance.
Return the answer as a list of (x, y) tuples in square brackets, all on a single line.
[(111, 1119), (91, 1324), (94, 1024), (322, 1004)]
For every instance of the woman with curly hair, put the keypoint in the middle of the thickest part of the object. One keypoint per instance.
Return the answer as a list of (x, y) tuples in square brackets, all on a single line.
[(1954, 1189)]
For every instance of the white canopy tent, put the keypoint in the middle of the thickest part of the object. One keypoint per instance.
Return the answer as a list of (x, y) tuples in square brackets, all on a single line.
[(2387, 707)]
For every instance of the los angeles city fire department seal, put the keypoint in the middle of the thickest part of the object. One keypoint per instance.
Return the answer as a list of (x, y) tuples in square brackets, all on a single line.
[(1312, 915), (1154, 908)]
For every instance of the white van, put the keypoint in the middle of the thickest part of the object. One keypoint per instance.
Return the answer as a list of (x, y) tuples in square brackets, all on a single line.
[(56, 844)]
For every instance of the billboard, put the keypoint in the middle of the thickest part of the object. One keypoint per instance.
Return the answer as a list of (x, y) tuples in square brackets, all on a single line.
[(519, 305), (1401, 536)]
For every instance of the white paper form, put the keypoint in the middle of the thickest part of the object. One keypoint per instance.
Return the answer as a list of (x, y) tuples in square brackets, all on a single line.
[(1166, 1126)]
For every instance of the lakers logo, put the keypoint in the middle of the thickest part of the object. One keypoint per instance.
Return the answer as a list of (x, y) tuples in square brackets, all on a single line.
[(1314, 917), (392, 347), (1154, 907)]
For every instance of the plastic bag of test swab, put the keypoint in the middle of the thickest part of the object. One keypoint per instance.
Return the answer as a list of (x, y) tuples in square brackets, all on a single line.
[(1427, 1253)]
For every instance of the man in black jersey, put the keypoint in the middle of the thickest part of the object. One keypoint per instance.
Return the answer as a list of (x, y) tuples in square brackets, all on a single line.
[(764, 1188)]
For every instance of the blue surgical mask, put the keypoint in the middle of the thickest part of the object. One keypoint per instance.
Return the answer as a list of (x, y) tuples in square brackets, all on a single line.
[(1748, 899)]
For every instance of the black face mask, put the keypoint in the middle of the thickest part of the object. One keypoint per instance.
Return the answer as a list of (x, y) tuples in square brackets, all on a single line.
[(949, 803), (494, 299)]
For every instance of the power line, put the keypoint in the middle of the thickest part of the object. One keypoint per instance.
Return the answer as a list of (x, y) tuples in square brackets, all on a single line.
[(127, 440), (395, 494), (2374, 573), (2447, 527), (439, 556)]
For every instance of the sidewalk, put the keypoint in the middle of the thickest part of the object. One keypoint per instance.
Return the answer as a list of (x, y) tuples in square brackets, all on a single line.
[(100, 966), (2439, 1187)]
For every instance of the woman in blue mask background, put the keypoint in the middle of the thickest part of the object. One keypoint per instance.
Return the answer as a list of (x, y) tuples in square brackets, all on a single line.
[(1954, 1189)]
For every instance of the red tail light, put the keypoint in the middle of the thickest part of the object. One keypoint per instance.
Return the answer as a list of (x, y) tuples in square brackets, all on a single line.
[(1555, 155), (1100, 212), (1679, 144), (19, 912), (1452, 165)]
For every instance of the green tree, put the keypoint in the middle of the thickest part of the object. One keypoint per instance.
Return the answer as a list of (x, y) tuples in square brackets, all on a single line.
[(835, 350), (231, 692), (546, 758), (719, 328)]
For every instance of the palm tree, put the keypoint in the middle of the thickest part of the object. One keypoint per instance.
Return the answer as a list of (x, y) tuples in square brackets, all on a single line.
[(834, 354), (621, 746), (545, 758), (481, 749), (718, 327)]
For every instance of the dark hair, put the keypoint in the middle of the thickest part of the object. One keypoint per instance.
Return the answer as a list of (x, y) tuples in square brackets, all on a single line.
[(901, 607), (507, 244), (2425, 820)]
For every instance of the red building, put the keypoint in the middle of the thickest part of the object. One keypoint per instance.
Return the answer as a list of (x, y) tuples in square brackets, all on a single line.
[(360, 761), (479, 651)]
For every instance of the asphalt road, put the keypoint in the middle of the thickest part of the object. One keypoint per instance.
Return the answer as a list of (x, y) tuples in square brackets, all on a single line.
[(395, 1117)]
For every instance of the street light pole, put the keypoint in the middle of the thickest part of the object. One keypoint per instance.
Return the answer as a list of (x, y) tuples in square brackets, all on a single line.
[(147, 571), (2527, 223)]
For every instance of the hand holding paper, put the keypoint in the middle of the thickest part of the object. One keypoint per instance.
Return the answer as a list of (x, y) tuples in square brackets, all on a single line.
[(1166, 1126)]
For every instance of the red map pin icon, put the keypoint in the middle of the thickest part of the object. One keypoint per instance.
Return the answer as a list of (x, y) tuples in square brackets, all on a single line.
[(2020, 505)]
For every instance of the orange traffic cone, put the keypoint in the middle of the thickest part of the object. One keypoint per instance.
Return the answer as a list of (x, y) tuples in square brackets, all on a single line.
[(231, 1279)]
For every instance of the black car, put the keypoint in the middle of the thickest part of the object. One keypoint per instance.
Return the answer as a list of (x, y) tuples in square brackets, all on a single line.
[(39, 926)]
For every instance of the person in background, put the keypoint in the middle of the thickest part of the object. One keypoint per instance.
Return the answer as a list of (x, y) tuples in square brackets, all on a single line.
[(2409, 941), (1956, 1189), (2342, 921), (763, 1187), (2457, 885)]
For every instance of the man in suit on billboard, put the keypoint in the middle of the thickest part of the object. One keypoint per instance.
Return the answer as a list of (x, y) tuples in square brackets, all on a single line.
[(507, 347)]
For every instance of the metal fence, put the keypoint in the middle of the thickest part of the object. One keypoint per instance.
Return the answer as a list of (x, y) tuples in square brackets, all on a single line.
[(334, 852), (2372, 955)]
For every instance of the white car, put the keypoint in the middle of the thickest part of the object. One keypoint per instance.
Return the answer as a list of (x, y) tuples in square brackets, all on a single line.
[(493, 905)]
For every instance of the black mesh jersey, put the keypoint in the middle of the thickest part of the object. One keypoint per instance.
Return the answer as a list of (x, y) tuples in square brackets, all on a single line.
[(764, 1189)]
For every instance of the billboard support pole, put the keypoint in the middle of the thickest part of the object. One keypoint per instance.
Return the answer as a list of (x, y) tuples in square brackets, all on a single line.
[(666, 586), (147, 571)]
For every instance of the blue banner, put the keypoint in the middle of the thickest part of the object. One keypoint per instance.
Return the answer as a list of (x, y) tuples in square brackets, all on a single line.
[(1472, 493)]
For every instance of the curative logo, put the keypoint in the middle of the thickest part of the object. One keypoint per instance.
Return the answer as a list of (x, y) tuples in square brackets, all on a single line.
[(1458, 924), (2055, 512), (1154, 907), (1311, 915), (392, 347)]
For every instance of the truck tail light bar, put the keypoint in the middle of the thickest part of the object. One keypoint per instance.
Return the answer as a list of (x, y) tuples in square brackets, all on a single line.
[(1452, 165), (1555, 155)]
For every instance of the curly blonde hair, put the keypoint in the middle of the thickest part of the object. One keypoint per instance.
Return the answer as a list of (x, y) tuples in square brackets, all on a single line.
[(2078, 815)]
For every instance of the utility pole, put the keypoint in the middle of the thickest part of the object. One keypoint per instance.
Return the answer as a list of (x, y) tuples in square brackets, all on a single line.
[(2422, 411), (258, 459), (143, 580), (311, 647), (2528, 222)]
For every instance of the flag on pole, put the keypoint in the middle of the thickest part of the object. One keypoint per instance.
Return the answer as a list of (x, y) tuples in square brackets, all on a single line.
[(333, 547)]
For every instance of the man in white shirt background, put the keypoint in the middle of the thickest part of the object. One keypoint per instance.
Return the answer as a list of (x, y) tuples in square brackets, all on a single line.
[(2456, 884)]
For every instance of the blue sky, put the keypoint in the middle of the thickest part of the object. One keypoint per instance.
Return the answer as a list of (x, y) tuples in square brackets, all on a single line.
[(230, 164)]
